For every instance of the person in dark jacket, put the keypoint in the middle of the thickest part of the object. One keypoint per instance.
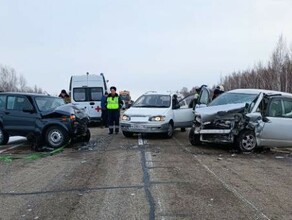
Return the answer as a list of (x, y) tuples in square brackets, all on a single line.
[(218, 91), (64, 95), (113, 105), (104, 113)]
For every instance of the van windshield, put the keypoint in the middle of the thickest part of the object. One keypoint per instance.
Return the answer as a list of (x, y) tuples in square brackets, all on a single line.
[(153, 101), (87, 94)]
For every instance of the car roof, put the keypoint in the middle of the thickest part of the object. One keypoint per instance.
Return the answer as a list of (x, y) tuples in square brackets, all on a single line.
[(159, 93), (257, 91), (26, 93)]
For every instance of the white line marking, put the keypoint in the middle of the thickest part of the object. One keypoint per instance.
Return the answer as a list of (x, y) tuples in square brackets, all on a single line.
[(226, 186)]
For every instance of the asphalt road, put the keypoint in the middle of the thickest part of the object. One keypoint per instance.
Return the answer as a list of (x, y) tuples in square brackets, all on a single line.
[(146, 177)]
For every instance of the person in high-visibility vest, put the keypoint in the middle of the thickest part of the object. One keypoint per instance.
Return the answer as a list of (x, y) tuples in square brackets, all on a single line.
[(113, 105)]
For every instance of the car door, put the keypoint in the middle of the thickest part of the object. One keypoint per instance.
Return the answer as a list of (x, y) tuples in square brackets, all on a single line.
[(184, 116), (277, 128), (19, 116), (204, 98)]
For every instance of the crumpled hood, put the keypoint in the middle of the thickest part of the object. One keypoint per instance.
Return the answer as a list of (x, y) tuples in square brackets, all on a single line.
[(210, 112), (66, 110), (134, 111)]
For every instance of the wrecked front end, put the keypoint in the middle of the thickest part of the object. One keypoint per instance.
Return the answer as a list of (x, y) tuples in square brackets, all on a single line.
[(225, 125)]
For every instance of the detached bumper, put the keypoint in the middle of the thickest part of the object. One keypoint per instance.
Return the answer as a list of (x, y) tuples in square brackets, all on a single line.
[(144, 127)]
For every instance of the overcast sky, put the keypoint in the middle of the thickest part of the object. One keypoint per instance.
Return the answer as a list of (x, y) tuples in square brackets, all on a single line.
[(139, 45)]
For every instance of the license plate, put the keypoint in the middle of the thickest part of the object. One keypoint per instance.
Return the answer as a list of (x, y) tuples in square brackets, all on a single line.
[(139, 127)]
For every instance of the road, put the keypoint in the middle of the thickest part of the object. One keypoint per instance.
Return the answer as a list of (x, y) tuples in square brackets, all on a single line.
[(147, 177)]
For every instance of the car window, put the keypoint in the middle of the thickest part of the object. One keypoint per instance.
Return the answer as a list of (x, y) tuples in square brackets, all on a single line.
[(275, 108), (204, 96), (287, 108), (18, 103), (156, 101), (79, 94), (48, 103), (95, 94), (233, 98), (187, 102)]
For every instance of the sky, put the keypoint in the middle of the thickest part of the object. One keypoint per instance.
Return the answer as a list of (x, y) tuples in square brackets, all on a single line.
[(139, 45)]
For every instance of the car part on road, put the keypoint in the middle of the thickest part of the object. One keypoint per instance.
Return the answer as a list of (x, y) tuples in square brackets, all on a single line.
[(56, 137), (246, 141)]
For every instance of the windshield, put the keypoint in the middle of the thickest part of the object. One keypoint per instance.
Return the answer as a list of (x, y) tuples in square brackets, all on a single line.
[(233, 98), (48, 103), (156, 101)]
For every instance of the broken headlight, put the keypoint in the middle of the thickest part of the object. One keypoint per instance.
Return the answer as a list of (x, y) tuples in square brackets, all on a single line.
[(198, 119)]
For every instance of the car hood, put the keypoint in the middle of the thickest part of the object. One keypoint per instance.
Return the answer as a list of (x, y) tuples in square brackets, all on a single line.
[(210, 112), (67, 110), (134, 111)]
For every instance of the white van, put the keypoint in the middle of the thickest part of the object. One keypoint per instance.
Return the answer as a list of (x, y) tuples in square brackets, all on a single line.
[(86, 92)]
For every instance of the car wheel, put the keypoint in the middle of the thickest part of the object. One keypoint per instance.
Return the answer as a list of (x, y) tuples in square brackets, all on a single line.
[(183, 129), (127, 134), (170, 131), (194, 138), (86, 138), (4, 137), (246, 141), (56, 137)]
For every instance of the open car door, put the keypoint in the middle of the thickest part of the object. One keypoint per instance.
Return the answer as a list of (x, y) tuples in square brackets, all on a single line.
[(204, 98), (184, 116)]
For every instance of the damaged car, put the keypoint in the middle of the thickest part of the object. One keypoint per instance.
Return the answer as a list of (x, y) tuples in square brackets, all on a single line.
[(44, 120), (248, 118)]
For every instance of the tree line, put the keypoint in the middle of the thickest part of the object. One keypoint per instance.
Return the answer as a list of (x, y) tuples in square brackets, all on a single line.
[(10, 81), (275, 75)]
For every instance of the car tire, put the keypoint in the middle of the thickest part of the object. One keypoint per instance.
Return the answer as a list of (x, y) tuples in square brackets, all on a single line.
[(170, 131), (127, 134), (4, 137), (194, 138), (87, 137), (246, 141), (56, 137)]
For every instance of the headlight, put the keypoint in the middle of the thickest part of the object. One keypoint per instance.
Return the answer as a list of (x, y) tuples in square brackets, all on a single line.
[(157, 118), (125, 118), (198, 118)]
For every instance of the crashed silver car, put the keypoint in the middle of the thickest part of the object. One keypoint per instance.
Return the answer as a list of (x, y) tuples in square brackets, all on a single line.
[(249, 118)]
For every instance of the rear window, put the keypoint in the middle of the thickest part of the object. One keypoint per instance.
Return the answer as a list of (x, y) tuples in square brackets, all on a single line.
[(87, 94), (233, 98)]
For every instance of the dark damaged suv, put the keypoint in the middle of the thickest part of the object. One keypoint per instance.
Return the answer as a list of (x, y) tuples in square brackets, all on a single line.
[(43, 119)]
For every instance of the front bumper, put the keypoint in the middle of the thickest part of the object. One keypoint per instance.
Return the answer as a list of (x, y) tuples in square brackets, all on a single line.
[(144, 127), (215, 135)]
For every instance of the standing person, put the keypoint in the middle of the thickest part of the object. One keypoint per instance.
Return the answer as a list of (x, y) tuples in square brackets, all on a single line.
[(64, 95), (113, 105), (218, 91), (104, 113)]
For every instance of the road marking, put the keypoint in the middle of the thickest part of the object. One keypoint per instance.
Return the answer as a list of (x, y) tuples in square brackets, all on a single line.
[(236, 193), (10, 148)]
